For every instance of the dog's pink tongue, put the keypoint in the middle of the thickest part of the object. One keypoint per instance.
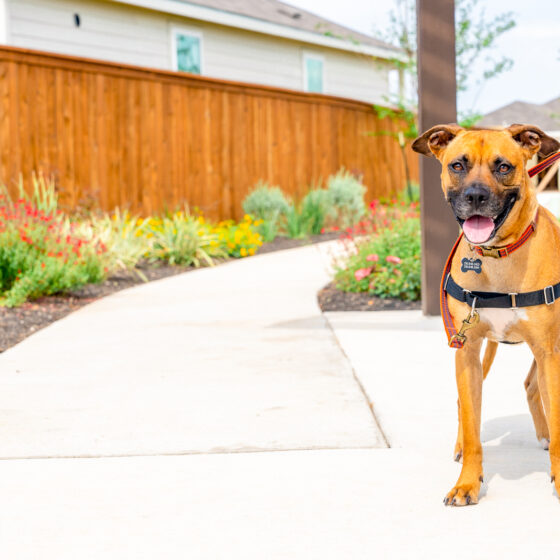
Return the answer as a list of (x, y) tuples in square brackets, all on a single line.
[(478, 229)]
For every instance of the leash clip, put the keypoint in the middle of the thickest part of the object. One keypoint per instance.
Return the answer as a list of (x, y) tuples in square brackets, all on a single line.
[(552, 297), (468, 323)]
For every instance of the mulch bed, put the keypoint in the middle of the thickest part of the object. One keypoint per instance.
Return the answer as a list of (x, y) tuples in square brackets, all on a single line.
[(18, 323), (331, 299)]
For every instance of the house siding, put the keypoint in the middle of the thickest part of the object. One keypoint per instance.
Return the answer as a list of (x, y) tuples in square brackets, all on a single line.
[(119, 33)]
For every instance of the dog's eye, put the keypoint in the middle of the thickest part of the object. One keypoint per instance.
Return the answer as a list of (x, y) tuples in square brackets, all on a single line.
[(504, 168), (457, 166)]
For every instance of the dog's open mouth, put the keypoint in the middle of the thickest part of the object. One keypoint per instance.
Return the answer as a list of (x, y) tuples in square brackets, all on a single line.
[(481, 229)]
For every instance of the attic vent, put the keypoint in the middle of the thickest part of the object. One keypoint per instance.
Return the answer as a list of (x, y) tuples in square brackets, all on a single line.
[(293, 15)]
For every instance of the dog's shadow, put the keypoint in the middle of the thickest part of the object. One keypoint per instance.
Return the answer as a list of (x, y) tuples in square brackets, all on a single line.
[(511, 449)]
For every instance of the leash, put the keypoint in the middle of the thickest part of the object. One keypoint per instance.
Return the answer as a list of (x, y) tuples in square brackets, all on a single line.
[(448, 286), (547, 162)]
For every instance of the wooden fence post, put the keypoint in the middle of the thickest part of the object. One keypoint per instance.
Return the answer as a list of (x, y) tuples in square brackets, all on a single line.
[(436, 105)]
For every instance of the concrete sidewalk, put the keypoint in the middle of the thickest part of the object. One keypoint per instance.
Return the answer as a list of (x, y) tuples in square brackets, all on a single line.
[(174, 386), (236, 358)]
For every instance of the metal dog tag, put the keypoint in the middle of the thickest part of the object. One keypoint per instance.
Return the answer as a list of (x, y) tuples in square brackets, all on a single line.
[(471, 264)]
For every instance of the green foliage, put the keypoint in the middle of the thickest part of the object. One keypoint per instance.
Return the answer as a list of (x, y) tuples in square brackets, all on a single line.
[(346, 198), (122, 237), (41, 253), (269, 204), (314, 209), (266, 202), (179, 239), (475, 35), (387, 264)]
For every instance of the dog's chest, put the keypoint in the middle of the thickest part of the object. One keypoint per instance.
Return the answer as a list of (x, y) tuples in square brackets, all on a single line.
[(501, 321)]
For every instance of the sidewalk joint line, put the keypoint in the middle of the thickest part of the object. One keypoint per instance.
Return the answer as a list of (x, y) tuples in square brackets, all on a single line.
[(369, 402)]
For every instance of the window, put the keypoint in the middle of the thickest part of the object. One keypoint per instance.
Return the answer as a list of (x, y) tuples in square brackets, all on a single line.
[(187, 51), (313, 73)]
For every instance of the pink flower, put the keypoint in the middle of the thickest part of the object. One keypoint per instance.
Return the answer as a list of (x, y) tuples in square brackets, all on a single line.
[(393, 259), (361, 273), (372, 258)]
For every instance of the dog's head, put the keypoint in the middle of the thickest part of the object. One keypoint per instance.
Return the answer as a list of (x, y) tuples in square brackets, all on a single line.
[(483, 174)]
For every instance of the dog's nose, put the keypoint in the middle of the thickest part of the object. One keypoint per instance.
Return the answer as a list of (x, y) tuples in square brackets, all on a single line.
[(477, 196)]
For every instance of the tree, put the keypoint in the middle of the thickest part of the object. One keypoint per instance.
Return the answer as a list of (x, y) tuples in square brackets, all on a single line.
[(475, 36)]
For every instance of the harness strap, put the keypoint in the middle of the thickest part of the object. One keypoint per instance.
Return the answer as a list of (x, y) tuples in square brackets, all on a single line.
[(499, 300), (547, 162)]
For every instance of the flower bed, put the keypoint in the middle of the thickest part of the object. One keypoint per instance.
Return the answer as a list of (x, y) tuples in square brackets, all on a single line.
[(382, 256), (44, 251)]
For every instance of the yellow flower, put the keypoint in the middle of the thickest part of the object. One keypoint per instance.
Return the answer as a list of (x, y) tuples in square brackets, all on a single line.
[(252, 251), (243, 252)]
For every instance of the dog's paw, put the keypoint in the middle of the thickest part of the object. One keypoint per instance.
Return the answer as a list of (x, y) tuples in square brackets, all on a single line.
[(545, 443), (463, 494)]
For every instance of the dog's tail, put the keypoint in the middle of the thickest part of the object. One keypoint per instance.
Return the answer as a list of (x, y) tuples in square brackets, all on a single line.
[(489, 354)]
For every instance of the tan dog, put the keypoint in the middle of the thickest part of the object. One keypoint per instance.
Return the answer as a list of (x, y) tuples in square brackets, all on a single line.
[(485, 181)]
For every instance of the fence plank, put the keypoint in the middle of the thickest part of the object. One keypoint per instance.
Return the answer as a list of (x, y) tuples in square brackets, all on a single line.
[(150, 140)]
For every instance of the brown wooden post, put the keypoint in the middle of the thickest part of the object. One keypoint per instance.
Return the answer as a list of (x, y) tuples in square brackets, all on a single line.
[(436, 105)]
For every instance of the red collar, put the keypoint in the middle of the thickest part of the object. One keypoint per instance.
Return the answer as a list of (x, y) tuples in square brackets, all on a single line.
[(498, 252), (501, 252)]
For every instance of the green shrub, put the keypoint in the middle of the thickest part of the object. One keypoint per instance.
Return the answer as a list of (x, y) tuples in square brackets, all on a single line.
[(42, 253), (121, 235), (346, 197), (182, 239), (269, 204), (313, 210), (387, 264)]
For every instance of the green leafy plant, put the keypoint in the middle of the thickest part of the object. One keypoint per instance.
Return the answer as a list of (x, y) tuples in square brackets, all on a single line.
[(314, 210), (387, 264), (182, 239), (269, 204), (346, 198), (41, 253), (122, 236)]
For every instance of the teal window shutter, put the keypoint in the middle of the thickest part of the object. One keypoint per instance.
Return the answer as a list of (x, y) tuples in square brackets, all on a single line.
[(188, 53), (314, 74)]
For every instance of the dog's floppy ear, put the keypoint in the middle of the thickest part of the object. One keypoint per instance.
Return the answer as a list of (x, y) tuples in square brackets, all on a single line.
[(532, 139), (434, 141)]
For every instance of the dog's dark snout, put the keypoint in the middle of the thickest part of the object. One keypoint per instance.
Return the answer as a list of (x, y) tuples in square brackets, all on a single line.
[(477, 196)]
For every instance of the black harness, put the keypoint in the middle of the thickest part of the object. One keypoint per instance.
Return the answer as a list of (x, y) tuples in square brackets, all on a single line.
[(499, 300)]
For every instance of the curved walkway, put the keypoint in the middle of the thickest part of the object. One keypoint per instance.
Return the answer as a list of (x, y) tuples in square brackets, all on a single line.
[(235, 358)]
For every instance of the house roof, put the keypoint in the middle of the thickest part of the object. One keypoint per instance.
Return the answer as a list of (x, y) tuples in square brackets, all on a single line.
[(545, 116), (272, 17), (291, 16)]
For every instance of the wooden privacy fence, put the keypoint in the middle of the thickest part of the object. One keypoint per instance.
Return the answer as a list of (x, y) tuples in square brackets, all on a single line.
[(150, 140)]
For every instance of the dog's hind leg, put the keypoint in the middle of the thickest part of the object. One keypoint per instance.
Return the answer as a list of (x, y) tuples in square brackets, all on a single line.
[(489, 355), (536, 407)]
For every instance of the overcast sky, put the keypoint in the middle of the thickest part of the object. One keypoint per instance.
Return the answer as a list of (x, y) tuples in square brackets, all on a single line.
[(534, 45)]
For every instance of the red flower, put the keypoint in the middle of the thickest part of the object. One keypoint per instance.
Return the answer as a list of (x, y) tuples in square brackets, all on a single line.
[(372, 258), (393, 259), (361, 273)]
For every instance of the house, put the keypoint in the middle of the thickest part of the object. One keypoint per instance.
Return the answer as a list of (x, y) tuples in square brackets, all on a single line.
[(254, 41), (546, 116)]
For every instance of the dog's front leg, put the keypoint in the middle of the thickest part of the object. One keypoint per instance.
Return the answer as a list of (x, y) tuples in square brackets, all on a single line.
[(548, 371), (469, 384)]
